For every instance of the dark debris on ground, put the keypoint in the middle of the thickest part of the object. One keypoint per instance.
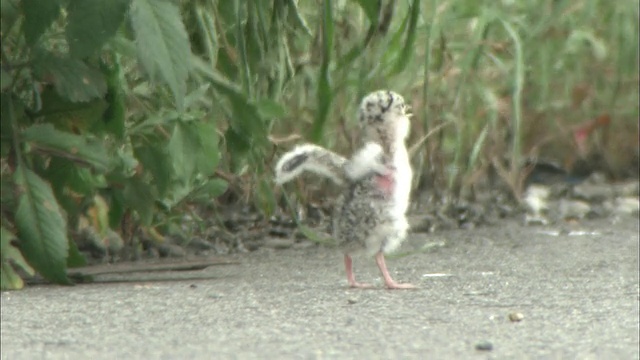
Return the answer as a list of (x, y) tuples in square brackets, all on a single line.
[(237, 229)]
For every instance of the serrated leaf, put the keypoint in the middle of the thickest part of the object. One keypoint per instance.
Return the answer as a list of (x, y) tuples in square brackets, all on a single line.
[(41, 227), (90, 23), (182, 147), (162, 43), (193, 149), (72, 78), (38, 16), (80, 149), (10, 256)]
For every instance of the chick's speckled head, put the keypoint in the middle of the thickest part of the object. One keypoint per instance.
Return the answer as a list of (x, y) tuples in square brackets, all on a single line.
[(383, 114)]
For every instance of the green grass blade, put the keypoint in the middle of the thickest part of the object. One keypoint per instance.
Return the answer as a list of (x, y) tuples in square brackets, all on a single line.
[(324, 94)]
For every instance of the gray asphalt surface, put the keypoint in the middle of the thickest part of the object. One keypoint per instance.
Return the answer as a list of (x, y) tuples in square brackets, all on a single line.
[(578, 292)]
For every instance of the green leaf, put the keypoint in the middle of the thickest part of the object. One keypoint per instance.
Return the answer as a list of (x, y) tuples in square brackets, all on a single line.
[(162, 43), (199, 96), (183, 145), (578, 38), (247, 126), (269, 109), (299, 19), (10, 256), (72, 78), (81, 149), (10, 13), (114, 114), (208, 156), (8, 104), (215, 187), (75, 259), (156, 160), (75, 117), (407, 51), (394, 45), (265, 198), (209, 190), (41, 227), (9, 199), (139, 196), (236, 143), (241, 47), (371, 9), (91, 23), (38, 16), (193, 148), (64, 173), (324, 93), (5, 79), (117, 209), (315, 237)]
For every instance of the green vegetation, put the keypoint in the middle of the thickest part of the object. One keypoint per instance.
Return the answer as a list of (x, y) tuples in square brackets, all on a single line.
[(117, 114)]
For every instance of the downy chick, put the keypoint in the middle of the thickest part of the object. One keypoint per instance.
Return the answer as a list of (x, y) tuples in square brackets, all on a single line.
[(370, 216)]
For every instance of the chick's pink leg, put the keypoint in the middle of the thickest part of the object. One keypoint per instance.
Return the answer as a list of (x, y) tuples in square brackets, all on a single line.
[(348, 265), (388, 281)]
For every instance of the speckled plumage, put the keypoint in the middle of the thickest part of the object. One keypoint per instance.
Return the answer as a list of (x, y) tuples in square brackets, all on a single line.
[(364, 219), (370, 215)]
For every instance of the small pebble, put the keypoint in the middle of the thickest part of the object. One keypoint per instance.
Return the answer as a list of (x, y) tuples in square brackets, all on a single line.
[(516, 316), (351, 301), (484, 346)]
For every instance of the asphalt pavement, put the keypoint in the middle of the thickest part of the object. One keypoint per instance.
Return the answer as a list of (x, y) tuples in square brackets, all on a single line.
[(574, 290)]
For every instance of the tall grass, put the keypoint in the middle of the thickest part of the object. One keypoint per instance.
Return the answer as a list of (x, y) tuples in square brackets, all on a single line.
[(500, 80)]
